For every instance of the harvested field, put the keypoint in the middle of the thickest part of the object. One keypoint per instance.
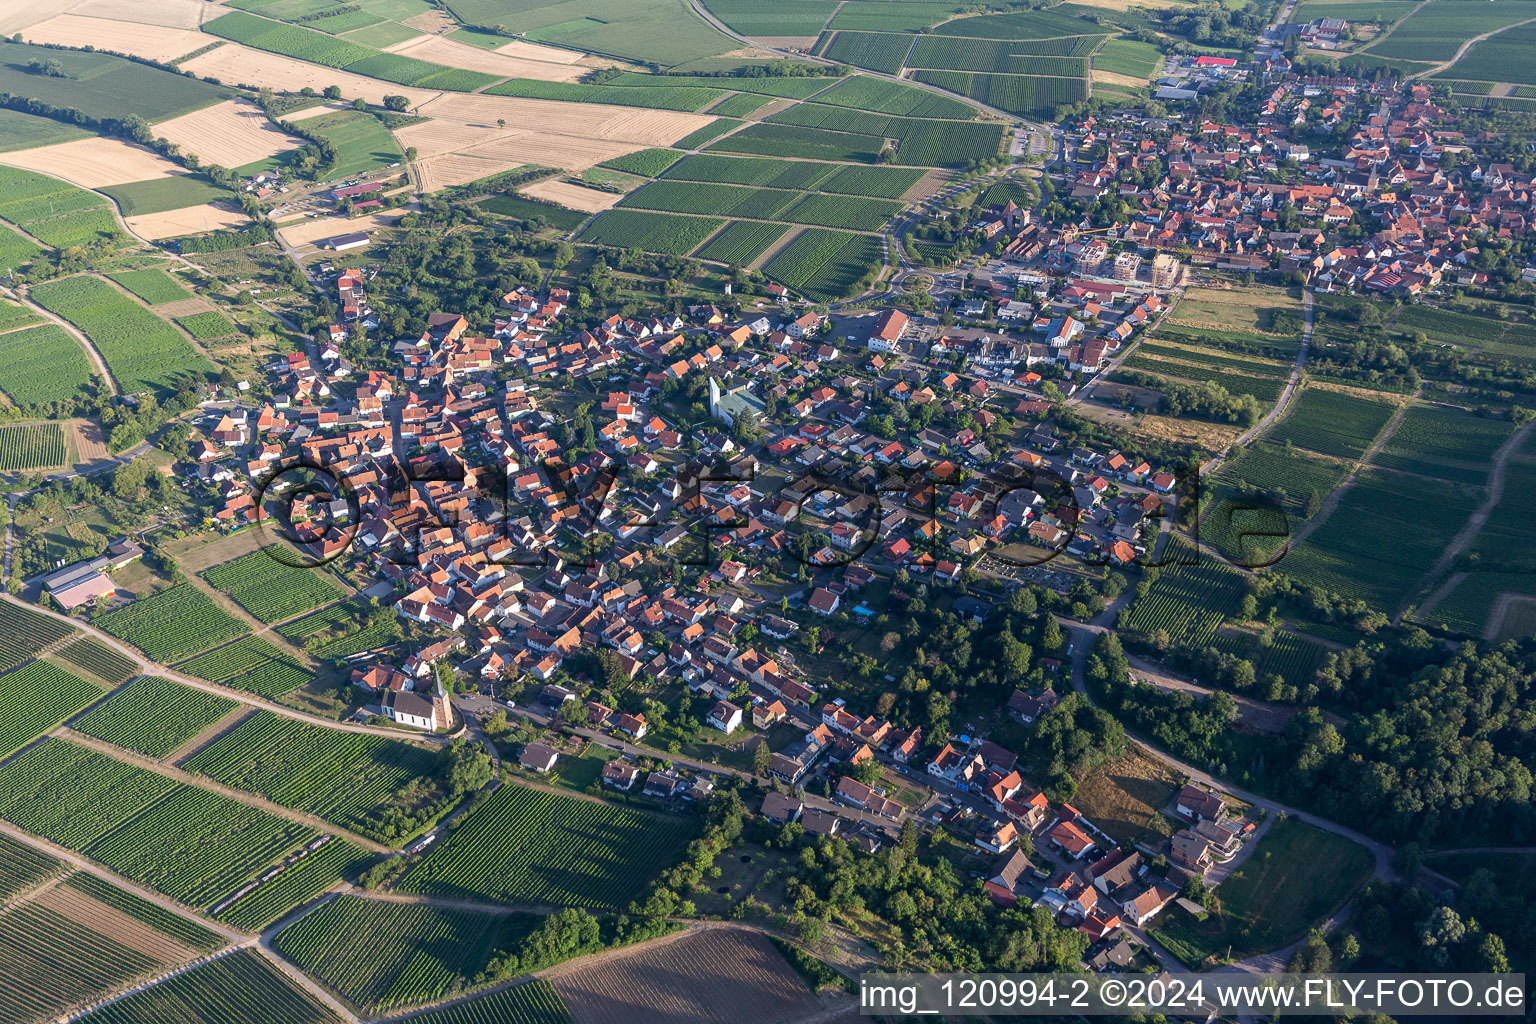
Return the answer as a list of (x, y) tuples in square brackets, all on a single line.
[(189, 221), (679, 981), (1111, 78), (309, 231), (184, 307), (14, 17), (115, 925), (169, 13), (230, 134), (439, 50), (533, 51), (88, 440), (429, 21), (317, 110), (156, 42), (577, 120), (564, 193), (235, 64), (93, 162), (451, 169)]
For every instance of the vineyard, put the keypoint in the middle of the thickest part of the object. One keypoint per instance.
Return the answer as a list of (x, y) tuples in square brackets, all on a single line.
[(533, 1002), (763, 172), (653, 232), (270, 590), (1332, 423), (865, 93), (51, 211), (298, 882), (378, 954), (211, 324), (143, 352), (100, 660), (772, 139), (1446, 444), (877, 51), (152, 285), (343, 630), (154, 716), (522, 845), (43, 364), (742, 242), (31, 447), (48, 962), (244, 986), (22, 867), (1187, 602), (36, 698), (344, 777), (1025, 95), (798, 262), (251, 664), (649, 162), (172, 624), (182, 929), (24, 632)]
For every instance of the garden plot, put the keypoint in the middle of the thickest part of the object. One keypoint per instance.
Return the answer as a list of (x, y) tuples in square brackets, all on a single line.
[(564, 193), (190, 221), (166, 13), (439, 50), (230, 134), (154, 42), (94, 162), (233, 62)]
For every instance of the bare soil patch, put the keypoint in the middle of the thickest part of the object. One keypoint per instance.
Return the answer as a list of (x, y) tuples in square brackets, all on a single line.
[(1113, 78), (89, 442), (785, 42), (429, 21), (115, 925), (188, 221), (184, 307), (230, 134), (441, 50), (557, 117), (168, 13), (684, 982), (308, 231), (533, 51), (94, 162), (155, 42), (565, 193)]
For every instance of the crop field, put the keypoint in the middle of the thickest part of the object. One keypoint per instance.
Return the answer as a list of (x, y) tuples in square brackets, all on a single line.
[(24, 632), (182, 929), (19, 130), (703, 197), (1446, 444), (763, 172), (243, 986), (298, 882), (1435, 31), (772, 139), (892, 15), (343, 777), (152, 284), (13, 315), (1346, 554), (524, 845), (270, 590), (103, 86), (361, 140), (23, 866), (143, 352), (938, 53), (654, 232), (211, 324), (664, 32), (1019, 25), (1269, 468), (1018, 94), (55, 213), (1265, 389), (1128, 57), (172, 624), (73, 795), (1500, 558), (856, 214), (1499, 338), (805, 256), (649, 162), (533, 1002), (36, 698), (1501, 58), (875, 182), (1188, 602), (878, 51), (41, 365), (742, 242), (741, 105), (99, 660), (31, 447), (862, 92), (847, 272), (379, 955), (791, 88), (174, 192), (557, 217), (48, 962), (1332, 423), (16, 251), (640, 986), (920, 141), (716, 128), (154, 716), (252, 664), (770, 18)]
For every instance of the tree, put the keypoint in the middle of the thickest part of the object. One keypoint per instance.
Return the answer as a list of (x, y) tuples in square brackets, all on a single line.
[(333, 92), (359, 104), (761, 757), (396, 103)]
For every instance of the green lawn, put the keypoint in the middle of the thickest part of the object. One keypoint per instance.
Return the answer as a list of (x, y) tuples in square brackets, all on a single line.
[(1293, 881), (362, 142), (160, 194)]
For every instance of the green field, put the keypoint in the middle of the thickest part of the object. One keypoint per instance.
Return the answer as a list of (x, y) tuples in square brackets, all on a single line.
[(1435, 31), (103, 86), (1186, 602), (649, 162), (534, 1002), (660, 32), (24, 632), (1501, 58), (792, 88), (152, 284), (361, 140), (1296, 877), (857, 214), (31, 447), (143, 352), (55, 213), (772, 139), (379, 955), (523, 208), (1446, 444), (763, 172), (771, 18), (811, 262), (1332, 423), (741, 105), (19, 130), (523, 845), (1020, 25), (99, 660), (154, 716), (271, 590), (43, 364), (654, 232), (161, 194), (1024, 95), (344, 777), (742, 242), (865, 93), (23, 866), (243, 986), (893, 15), (877, 51), (698, 137), (250, 663), (212, 324), (298, 883), (1128, 57), (172, 624), (52, 962), (36, 698)]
